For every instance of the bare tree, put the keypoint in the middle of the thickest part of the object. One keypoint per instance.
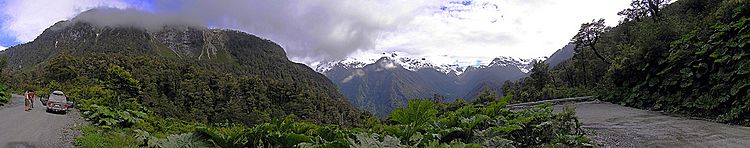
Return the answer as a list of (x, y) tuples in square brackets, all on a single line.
[(589, 35), (643, 8)]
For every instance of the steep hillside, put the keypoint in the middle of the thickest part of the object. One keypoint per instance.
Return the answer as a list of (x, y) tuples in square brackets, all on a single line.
[(474, 80), (689, 58), (560, 55), (183, 71)]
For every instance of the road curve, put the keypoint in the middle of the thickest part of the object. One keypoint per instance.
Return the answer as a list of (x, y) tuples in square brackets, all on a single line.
[(37, 128), (618, 126)]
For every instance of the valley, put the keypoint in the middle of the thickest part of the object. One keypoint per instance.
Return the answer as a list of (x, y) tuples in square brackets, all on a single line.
[(390, 81)]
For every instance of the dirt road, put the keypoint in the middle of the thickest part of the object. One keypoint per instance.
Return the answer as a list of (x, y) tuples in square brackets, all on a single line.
[(617, 126), (37, 128)]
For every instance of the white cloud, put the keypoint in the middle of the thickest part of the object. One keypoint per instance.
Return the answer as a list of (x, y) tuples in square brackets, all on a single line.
[(3, 48), (356, 73), (26, 19), (481, 31), (315, 31)]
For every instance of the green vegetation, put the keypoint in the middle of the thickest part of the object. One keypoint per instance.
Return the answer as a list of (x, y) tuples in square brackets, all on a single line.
[(4, 91), (248, 79), (420, 124), (4, 94), (689, 57)]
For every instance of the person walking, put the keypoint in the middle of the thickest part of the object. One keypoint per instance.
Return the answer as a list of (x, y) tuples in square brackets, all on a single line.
[(27, 101), (32, 96)]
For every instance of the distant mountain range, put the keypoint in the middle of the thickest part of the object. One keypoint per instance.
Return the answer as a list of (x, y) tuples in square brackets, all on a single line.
[(381, 85)]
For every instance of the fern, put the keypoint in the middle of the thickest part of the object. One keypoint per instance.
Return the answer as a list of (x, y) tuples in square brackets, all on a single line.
[(226, 137), (186, 140), (417, 112), (364, 140)]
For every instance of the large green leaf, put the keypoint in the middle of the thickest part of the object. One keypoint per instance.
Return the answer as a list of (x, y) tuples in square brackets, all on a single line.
[(744, 68)]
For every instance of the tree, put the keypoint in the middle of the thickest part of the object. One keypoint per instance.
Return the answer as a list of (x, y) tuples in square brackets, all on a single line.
[(589, 35), (540, 75), (3, 63), (485, 97), (643, 8), (62, 68), (126, 89), (437, 99)]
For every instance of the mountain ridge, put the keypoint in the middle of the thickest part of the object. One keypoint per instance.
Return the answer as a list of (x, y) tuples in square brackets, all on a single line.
[(414, 64), (381, 84)]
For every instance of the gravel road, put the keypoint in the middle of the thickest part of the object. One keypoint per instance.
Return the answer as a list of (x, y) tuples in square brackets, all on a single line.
[(612, 125), (37, 128)]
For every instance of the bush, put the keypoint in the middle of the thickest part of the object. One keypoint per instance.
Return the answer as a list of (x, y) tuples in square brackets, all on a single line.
[(4, 95), (418, 125)]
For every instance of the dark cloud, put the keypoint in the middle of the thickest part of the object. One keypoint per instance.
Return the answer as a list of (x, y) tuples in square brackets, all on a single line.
[(134, 18), (312, 29)]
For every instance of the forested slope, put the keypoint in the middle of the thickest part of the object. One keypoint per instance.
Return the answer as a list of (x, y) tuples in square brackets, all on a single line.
[(191, 73), (689, 57)]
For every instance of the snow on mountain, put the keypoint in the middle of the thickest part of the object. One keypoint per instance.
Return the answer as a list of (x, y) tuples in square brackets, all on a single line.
[(347, 63), (525, 65), (414, 64)]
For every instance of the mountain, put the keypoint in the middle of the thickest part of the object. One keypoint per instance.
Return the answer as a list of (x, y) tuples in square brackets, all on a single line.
[(561, 55), (492, 76), (183, 71), (381, 85)]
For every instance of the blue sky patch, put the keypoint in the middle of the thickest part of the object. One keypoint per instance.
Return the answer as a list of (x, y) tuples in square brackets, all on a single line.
[(465, 3)]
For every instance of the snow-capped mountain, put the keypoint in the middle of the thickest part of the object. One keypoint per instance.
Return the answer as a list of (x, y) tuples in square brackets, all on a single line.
[(415, 64), (525, 65), (385, 81), (409, 63), (349, 63)]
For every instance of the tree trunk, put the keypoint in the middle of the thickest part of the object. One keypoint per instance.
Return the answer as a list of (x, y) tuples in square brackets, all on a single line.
[(600, 56)]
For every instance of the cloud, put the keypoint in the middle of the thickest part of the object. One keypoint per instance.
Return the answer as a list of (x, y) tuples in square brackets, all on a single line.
[(114, 17), (26, 19), (462, 33), (315, 31), (356, 73), (3, 48), (310, 30)]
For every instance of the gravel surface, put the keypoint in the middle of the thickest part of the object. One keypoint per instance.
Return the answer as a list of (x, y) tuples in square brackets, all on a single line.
[(612, 125), (37, 128)]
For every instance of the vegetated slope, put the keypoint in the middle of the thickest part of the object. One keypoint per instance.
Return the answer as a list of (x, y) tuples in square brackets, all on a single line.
[(187, 72), (384, 85), (691, 57), (475, 80), (704, 71)]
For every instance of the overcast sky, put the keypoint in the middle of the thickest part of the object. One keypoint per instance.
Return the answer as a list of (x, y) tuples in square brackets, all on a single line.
[(312, 31)]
